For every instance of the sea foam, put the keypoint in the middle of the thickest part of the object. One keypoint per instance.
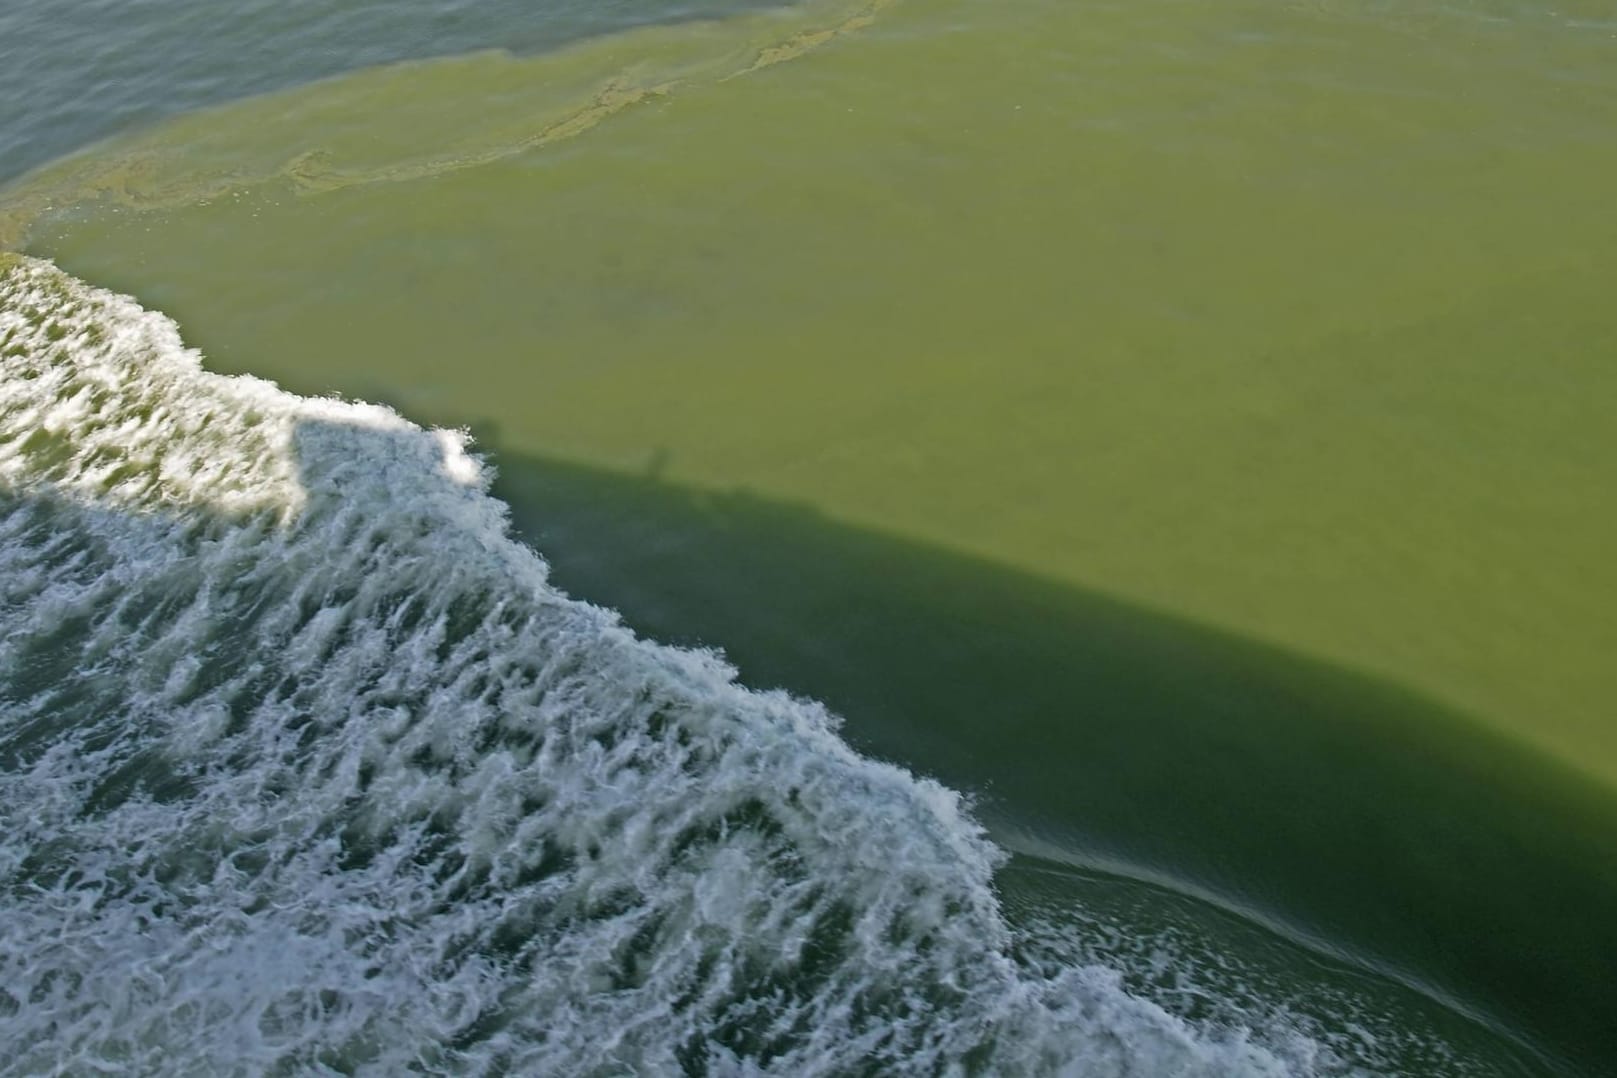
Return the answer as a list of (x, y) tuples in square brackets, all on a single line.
[(305, 767)]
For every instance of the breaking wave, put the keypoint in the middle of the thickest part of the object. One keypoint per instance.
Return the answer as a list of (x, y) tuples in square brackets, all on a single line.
[(306, 767)]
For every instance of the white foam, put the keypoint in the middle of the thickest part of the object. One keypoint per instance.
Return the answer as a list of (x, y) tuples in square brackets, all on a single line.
[(305, 767)]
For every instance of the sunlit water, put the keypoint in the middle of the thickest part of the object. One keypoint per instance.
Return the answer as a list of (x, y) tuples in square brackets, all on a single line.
[(1181, 426)]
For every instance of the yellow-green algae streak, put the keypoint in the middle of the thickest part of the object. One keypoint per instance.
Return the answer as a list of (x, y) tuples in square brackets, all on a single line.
[(1292, 320)]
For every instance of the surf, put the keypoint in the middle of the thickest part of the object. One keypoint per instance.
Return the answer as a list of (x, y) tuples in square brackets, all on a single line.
[(307, 764), (334, 778)]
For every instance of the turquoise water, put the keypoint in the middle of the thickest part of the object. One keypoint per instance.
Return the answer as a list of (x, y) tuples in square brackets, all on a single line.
[(1143, 464)]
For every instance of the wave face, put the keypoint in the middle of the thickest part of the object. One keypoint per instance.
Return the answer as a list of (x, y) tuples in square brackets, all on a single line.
[(306, 768)]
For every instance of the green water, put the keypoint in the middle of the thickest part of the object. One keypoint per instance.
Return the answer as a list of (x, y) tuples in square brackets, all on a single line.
[(1197, 414), (1287, 320)]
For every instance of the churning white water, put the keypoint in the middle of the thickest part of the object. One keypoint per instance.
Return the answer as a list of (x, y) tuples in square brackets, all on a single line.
[(306, 768)]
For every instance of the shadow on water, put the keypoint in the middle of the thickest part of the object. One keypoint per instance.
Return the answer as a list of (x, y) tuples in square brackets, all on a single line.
[(1098, 734)]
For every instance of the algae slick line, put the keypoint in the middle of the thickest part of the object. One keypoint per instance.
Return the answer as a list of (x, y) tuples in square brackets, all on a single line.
[(908, 537)]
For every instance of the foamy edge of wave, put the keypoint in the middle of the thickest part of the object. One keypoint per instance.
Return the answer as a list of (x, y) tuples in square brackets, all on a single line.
[(337, 780)]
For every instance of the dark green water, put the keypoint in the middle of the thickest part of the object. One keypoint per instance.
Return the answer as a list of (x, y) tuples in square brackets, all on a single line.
[(1180, 427), (1343, 812)]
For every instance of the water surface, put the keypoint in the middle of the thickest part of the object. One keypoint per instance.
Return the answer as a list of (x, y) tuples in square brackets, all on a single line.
[(1193, 414)]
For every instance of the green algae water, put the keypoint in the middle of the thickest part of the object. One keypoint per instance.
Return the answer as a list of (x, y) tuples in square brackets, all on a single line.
[(1179, 427)]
